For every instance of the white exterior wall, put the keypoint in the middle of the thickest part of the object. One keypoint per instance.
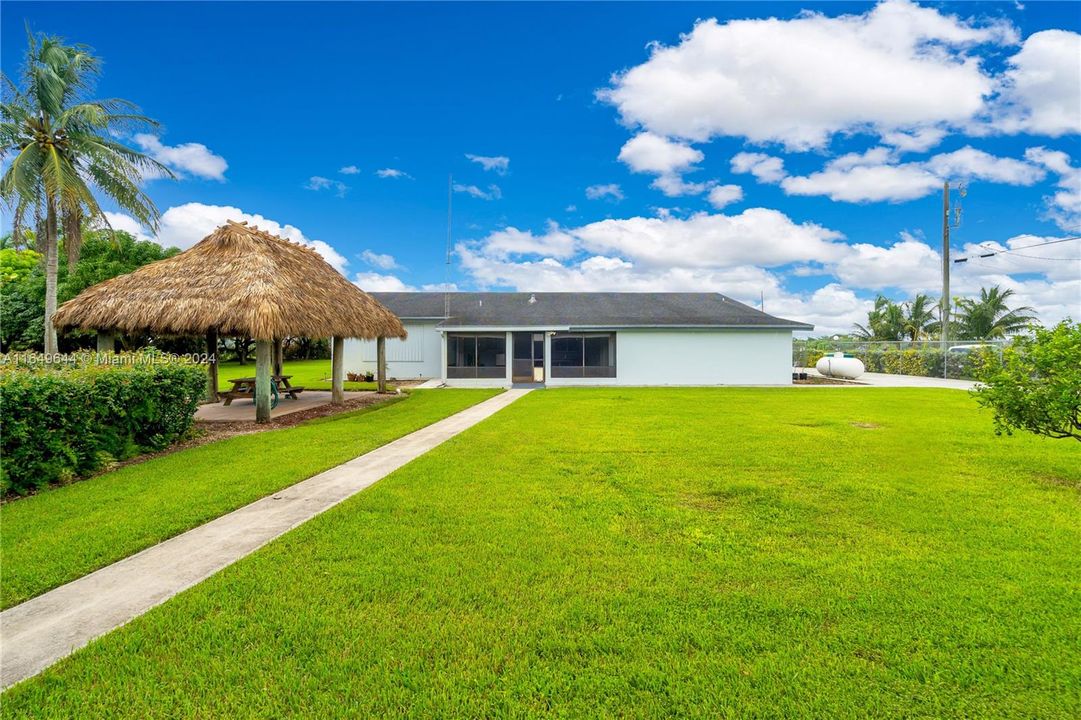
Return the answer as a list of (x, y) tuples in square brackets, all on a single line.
[(643, 357), (697, 357), (418, 356)]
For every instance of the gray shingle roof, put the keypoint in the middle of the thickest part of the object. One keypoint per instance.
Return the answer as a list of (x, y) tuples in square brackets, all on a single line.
[(581, 310)]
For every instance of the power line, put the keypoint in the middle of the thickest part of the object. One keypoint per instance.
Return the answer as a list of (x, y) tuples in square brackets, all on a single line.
[(1016, 251), (1043, 257)]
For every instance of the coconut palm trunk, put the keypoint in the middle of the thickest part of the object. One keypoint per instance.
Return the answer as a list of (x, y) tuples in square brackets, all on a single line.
[(52, 252)]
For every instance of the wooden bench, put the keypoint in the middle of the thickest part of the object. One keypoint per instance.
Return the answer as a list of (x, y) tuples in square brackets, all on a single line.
[(292, 391), (245, 388)]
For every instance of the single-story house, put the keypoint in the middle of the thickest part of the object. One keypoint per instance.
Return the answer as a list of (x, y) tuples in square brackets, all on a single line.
[(581, 338)]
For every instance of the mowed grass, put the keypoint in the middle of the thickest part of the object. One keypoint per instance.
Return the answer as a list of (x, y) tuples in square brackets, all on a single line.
[(805, 552), (61, 534), (308, 374)]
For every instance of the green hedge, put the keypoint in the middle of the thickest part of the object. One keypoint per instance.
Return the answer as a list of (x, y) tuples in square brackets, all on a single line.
[(63, 421)]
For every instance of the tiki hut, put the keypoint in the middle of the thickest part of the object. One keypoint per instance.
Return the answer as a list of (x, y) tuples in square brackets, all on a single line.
[(239, 280)]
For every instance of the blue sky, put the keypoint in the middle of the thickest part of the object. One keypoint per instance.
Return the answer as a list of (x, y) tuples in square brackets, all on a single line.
[(624, 146)]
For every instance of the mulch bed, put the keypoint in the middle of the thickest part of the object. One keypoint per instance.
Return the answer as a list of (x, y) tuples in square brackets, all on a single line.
[(817, 380)]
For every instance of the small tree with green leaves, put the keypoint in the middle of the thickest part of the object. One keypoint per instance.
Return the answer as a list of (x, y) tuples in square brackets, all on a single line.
[(1036, 385)]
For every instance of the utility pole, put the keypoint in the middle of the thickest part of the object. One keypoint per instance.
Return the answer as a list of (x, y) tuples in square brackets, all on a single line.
[(446, 270), (944, 303)]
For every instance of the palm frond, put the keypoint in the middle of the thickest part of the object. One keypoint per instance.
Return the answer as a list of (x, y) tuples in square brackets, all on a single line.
[(126, 193), (142, 165)]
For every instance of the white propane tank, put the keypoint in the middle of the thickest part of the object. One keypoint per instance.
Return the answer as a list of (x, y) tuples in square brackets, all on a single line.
[(839, 365)]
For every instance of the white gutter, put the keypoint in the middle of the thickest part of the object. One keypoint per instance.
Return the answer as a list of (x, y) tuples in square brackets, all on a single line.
[(604, 328)]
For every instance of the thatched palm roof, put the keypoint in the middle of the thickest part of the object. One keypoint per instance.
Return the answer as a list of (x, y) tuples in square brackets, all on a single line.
[(238, 280)]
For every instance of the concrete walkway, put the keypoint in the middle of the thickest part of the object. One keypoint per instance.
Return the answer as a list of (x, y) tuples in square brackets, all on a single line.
[(42, 630), (886, 380)]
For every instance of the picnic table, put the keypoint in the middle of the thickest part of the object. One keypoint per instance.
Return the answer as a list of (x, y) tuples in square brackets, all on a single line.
[(245, 388)]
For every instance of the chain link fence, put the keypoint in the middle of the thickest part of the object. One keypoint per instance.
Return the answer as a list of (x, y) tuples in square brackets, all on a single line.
[(960, 360)]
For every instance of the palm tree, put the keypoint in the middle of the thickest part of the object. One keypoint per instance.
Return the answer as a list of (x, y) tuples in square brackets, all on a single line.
[(990, 316), (885, 322), (919, 317), (60, 143)]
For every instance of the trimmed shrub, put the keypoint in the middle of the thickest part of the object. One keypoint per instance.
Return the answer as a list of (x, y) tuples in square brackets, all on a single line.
[(64, 421), (903, 362)]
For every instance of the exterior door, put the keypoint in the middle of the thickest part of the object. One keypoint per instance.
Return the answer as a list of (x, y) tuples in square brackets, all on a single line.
[(528, 358)]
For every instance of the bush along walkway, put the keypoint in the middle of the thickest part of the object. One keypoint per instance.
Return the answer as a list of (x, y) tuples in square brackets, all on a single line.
[(41, 631)]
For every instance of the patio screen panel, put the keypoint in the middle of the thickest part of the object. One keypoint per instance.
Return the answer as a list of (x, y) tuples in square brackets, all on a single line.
[(476, 356), (584, 355)]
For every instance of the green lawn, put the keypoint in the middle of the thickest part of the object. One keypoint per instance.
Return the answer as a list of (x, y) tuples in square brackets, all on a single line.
[(308, 374), (797, 552), (65, 533)]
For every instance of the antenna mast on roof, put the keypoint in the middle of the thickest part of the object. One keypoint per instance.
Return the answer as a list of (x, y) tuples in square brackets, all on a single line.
[(446, 272)]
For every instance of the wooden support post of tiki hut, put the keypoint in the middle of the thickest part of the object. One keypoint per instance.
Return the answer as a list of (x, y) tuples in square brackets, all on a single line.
[(106, 342), (279, 356), (337, 370), (263, 351), (381, 363), (212, 364)]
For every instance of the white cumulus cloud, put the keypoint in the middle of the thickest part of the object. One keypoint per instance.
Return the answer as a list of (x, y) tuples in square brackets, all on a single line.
[(865, 183), (904, 68), (496, 163), (758, 235), (1042, 87), (185, 159), (382, 261), (1064, 206), (121, 221), (492, 193), (873, 177), (723, 195), (765, 168), (317, 183), (184, 225), (598, 192), (650, 153), (512, 241), (668, 159), (377, 282)]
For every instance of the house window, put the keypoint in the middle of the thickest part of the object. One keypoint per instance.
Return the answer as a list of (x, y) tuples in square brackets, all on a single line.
[(476, 356), (584, 355)]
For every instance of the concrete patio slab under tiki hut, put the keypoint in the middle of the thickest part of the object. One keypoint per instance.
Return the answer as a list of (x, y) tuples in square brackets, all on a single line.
[(238, 281), (241, 410)]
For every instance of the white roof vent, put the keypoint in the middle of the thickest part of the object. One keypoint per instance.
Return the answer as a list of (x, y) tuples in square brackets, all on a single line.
[(532, 299)]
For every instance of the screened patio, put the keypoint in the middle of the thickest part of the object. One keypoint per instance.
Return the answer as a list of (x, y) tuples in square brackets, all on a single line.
[(584, 355)]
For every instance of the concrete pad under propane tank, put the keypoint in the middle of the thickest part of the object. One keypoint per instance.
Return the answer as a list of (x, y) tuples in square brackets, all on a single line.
[(840, 365)]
